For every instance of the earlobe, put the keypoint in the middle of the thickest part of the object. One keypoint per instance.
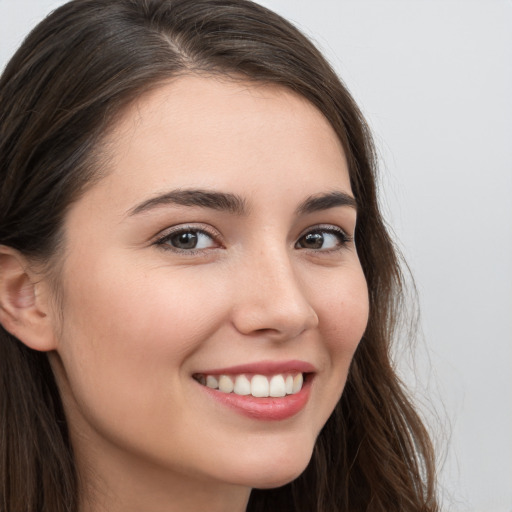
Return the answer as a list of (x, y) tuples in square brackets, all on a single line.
[(23, 311)]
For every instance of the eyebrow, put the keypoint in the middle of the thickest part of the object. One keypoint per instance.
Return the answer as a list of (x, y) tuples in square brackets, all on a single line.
[(325, 201), (221, 201), (232, 203)]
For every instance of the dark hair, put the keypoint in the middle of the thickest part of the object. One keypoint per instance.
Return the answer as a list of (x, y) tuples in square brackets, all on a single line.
[(71, 78)]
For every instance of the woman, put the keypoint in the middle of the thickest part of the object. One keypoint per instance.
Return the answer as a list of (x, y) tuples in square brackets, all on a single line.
[(187, 323)]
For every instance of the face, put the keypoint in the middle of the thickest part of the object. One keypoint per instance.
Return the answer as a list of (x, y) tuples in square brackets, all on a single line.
[(212, 266)]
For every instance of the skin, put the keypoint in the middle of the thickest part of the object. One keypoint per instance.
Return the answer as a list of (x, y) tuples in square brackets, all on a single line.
[(138, 318)]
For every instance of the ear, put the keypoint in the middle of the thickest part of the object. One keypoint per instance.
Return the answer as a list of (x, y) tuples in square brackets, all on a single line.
[(24, 302)]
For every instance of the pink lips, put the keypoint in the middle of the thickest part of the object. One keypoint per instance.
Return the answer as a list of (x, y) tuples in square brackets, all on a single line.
[(265, 368), (268, 408)]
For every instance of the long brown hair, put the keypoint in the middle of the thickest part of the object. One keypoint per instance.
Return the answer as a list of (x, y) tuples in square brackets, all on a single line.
[(63, 88)]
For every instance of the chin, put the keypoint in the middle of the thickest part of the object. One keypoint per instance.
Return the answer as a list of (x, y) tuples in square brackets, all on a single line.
[(274, 471), (271, 481)]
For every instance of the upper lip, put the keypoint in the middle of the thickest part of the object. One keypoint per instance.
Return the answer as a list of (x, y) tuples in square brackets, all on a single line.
[(264, 368)]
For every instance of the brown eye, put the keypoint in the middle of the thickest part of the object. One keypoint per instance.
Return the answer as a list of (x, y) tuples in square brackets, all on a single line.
[(184, 240), (322, 239), (187, 240), (312, 241)]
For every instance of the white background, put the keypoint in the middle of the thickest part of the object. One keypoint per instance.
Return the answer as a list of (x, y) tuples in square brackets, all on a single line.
[(434, 78)]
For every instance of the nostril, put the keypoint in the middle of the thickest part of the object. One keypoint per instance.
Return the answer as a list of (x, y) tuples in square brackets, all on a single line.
[(278, 307)]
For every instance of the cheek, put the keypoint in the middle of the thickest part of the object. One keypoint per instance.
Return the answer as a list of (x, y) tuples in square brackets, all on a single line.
[(121, 327), (344, 310), (343, 318), (137, 304), (126, 344), (340, 299)]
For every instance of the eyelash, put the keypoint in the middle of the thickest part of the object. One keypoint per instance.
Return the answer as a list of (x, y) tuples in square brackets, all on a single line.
[(163, 241)]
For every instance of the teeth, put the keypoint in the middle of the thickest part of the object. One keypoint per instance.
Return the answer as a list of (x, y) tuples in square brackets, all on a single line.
[(242, 385), (258, 386), (225, 384), (297, 383), (212, 382), (277, 386), (289, 384)]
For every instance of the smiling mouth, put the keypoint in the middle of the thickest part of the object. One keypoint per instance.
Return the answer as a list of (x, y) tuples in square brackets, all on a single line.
[(259, 386)]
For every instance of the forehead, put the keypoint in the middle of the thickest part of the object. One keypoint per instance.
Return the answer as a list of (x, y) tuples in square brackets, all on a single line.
[(210, 131)]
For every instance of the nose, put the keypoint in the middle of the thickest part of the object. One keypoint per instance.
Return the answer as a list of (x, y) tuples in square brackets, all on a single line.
[(272, 301)]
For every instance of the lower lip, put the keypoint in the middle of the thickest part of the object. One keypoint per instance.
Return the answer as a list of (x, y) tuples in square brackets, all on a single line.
[(265, 409)]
